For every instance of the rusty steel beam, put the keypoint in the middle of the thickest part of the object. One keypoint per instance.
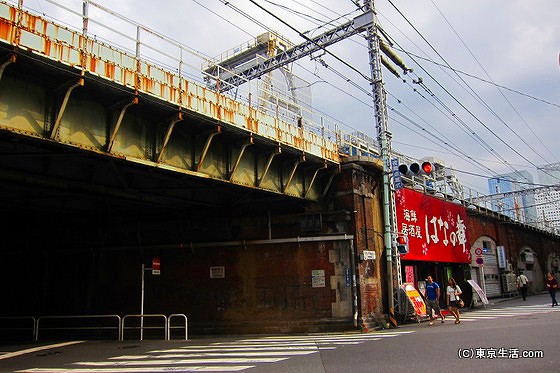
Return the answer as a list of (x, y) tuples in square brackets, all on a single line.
[(119, 122), (62, 109), (174, 121), (323, 166), (276, 151), (9, 61), (294, 168), (329, 182), (247, 142), (217, 131)]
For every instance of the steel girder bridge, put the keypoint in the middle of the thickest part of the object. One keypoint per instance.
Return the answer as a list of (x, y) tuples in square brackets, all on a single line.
[(69, 96)]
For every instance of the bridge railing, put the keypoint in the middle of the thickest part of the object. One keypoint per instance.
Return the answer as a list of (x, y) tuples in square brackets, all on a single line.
[(142, 59), (170, 80)]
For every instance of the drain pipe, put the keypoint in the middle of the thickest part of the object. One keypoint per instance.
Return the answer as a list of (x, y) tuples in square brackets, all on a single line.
[(355, 294)]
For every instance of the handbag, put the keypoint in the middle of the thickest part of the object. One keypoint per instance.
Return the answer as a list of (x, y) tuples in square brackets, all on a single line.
[(460, 303)]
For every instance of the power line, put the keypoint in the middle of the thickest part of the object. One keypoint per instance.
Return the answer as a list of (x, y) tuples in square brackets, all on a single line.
[(505, 98), (458, 71), (491, 149)]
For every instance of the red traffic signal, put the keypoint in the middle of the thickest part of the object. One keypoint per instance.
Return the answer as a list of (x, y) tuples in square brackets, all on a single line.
[(402, 244), (414, 169), (427, 167)]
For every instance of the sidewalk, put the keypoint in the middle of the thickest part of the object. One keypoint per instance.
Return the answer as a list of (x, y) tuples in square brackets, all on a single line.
[(480, 305), (492, 302)]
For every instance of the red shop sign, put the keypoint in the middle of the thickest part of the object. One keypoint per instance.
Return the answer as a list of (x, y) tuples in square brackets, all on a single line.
[(436, 229)]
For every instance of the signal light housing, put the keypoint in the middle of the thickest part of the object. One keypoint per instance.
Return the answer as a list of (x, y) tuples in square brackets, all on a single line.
[(417, 169), (402, 243)]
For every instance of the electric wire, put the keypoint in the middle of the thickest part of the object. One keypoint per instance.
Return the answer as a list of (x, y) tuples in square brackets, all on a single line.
[(362, 75), (462, 105), (310, 40), (458, 71), (336, 72), (501, 93), (463, 153)]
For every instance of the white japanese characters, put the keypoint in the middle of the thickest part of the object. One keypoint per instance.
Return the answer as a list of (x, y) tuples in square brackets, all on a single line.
[(435, 229)]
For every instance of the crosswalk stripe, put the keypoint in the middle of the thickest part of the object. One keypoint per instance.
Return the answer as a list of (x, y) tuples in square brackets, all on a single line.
[(213, 349), (222, 368), (150, 362), (523, 310), (224, 356)]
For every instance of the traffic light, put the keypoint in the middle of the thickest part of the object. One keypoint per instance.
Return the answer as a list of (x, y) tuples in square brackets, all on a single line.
[(402, 244), (417, 169)]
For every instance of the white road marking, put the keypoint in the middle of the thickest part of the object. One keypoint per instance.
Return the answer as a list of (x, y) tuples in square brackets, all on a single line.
[(35, 349)]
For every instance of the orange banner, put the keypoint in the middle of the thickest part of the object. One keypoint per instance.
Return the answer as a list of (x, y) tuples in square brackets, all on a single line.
[(415, 298)]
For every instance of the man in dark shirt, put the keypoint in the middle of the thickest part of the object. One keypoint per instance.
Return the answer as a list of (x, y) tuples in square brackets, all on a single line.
[(432, 300)]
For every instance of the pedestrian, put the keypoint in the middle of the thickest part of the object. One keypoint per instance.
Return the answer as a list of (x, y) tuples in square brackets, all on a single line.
[(453, 292), (432, 300), (552, 285), (522, 284)]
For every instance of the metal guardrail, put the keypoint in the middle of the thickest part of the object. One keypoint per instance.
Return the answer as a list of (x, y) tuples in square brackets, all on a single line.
[(20, 323), (15, 326), (170, 326), (142, 327), (86, 326)]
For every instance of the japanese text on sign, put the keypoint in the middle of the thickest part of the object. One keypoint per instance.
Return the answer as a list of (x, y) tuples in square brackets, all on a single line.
[(436, 228)]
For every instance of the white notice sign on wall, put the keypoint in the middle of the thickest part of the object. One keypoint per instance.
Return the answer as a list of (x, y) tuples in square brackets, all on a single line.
[(217, 272), (318, 278)]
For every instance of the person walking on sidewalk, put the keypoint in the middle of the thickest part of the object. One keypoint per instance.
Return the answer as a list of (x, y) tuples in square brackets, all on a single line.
[(552, 285), (453, 292), (522, 284), (432, 300)]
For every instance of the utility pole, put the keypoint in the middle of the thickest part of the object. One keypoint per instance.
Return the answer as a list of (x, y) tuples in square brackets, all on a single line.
[(384, 138)]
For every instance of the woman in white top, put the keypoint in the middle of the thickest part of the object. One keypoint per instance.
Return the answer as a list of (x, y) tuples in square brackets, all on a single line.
[(453, 292)]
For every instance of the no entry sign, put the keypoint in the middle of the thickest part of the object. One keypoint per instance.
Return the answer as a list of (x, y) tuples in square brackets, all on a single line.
[(156, 264)]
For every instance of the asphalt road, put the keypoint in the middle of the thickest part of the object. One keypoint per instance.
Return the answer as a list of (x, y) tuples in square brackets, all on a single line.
[(509, 336)]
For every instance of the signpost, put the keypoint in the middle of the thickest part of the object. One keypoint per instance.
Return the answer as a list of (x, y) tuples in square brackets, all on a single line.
[(156, 264)]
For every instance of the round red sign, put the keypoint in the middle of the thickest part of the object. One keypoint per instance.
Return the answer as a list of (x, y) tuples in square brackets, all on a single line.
[(156, 264)]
